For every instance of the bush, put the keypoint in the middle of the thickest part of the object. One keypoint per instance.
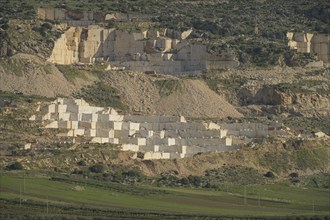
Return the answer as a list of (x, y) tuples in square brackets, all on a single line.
[(15, 166), (97, 168), (195, 181), (102, 94), (81, 163), (269, 174), (294, 175), (46, 26)]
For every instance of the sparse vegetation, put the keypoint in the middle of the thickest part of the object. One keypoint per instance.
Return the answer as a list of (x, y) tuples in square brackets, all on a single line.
[(305, 86), (102, 95), (311, 159), (97, 168), (167, 87), (234, 22), (71, 73), (218, 84), (308, 124)]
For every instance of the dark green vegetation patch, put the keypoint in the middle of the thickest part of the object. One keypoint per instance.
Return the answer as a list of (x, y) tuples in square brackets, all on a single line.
[(102, 95)]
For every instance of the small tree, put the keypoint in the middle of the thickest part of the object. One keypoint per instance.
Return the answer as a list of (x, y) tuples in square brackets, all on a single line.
[(269, 174), (294, 175), (15, 166), (97, 168), (81, 163)]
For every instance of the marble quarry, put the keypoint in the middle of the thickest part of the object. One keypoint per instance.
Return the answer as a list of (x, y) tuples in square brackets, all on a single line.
[(156, 137)]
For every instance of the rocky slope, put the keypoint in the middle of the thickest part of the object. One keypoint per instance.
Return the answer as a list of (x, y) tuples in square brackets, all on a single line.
[(30, 75), (281, 157), (143, 94), (170, 96)]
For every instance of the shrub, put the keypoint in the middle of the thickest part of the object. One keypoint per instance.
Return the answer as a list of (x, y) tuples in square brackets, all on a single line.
[(269, 174), (15, 166), (294, 175), (133, 176), (195, 180), (76, 171), (81, 163), (97, 168)]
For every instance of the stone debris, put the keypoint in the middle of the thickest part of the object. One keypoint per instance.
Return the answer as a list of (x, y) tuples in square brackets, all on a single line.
[(157, 137)]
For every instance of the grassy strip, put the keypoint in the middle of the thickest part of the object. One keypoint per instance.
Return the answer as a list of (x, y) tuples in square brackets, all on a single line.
[(275, 200)]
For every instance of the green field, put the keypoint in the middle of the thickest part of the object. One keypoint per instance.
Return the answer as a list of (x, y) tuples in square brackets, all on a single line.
[(81, 197)]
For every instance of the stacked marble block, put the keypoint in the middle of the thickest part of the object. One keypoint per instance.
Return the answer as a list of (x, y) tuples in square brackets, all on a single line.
[(158, 137), (252, 130)]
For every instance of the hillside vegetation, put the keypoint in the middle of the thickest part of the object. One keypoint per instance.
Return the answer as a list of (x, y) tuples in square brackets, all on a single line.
[(254, 30), (216, 17)]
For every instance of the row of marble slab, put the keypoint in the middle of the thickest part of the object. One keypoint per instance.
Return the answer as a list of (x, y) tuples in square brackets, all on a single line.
[(158, 137)]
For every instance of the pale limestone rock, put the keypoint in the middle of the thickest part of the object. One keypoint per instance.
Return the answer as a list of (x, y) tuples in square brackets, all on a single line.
[(186, 34)]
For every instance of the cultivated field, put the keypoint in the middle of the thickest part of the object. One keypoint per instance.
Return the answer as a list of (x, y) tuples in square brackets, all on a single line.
[(86, 198)]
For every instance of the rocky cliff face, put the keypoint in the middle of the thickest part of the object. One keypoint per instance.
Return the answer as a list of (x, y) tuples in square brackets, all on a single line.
[(308, 104), (27, 36), (5, 46)]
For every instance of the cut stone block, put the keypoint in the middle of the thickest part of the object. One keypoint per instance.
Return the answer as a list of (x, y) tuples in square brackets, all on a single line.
[(117, 125), (64, 116), (89, 117), (63, 124), (170, 149), (134, 126), (61, 108), (53, 124), (52, 108), (87, 125), (136, 141), (104, 125), (49, 116), (100, 140), (113, 117), (156, 156), (171, 141), (213, 126), (223, 133), (114, 140), (103, 117), (76, 132), (146, 148), (130, 147), (105, 133), (73, 125)]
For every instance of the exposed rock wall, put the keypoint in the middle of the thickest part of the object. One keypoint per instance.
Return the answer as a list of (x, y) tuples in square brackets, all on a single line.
[(318, 44), (143, 51), (73, 17), (66, 48), (307, 104), (83, 18)]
